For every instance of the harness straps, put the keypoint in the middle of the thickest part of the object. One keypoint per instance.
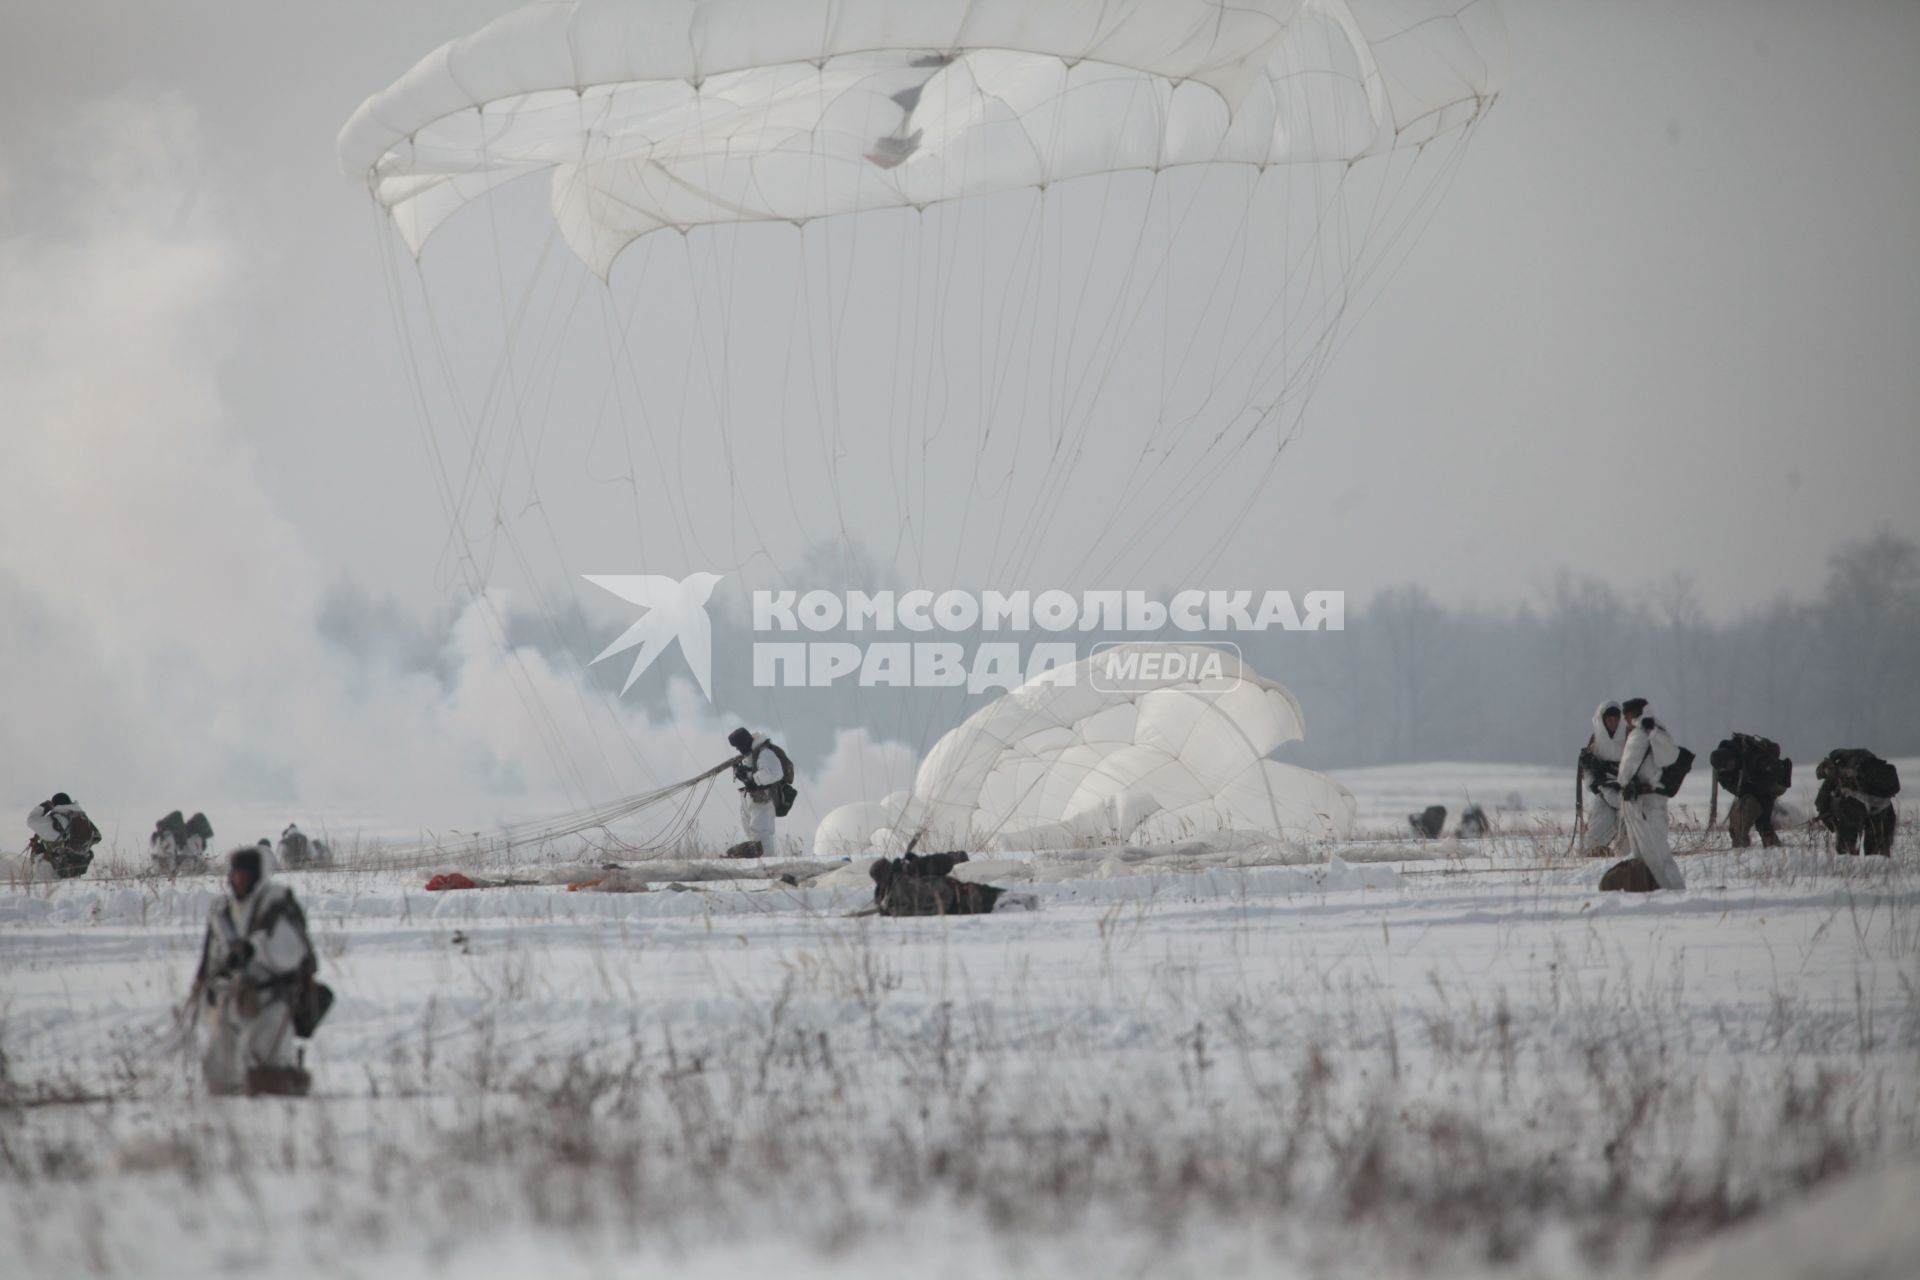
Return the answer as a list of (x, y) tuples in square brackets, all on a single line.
[(786, 762), (786, 765)]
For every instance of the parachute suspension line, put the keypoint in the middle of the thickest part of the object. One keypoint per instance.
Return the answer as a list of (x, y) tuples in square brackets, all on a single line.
[(987, 381), (1122, 318), (416, 390), (1297, 385), (1038, 524), (931, 389), (463, 561), (938, 374), (826, 423), (690, 795), (1058, 409), (825, 336), (1335, 295), (616, 333), (548, 612), (634, 415), (720, 383), (1338, 331), (998, 374), (1193, 487), (1341, 327), (546, 725), (1084, 405), (784, 412), (1160, 429), (1427, 209), (947, 252), (616, 337), (513, 324)]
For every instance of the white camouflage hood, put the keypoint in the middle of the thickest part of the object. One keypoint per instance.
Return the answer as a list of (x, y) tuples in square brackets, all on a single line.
[(1608, 746)]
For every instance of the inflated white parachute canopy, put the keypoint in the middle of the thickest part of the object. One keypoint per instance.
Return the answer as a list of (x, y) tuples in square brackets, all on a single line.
[(673, 113), (1066, 270), (1109, 750)]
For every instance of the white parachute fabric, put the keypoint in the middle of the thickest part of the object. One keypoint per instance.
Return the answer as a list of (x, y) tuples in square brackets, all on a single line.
[(848, 831), (996, 291), (675, 114), (1078, 756)]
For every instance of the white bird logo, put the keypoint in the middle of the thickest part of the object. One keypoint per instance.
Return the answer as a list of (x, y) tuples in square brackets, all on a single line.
[(674, 611)]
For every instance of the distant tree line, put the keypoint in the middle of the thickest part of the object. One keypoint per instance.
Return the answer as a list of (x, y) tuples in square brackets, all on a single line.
[(1413, 679)]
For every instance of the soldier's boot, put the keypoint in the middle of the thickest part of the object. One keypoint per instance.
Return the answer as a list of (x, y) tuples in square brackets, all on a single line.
[(278, 1082)]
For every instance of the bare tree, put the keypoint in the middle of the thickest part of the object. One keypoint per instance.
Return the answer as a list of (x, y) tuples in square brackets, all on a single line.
[(1870, 628), (1683, 641)]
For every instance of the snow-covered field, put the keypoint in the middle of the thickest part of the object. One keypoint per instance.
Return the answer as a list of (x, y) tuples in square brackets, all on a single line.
[(1380, 1057)]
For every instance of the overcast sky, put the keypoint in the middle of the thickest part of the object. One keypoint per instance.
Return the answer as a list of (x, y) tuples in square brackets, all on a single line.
[(1666, 319)]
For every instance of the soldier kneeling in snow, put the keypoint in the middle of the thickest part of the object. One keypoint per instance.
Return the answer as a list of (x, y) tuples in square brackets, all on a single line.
[(917, 886), (1856, 796), (63, 837), (297, 850), (256, 973), (1755, 774), (1429, 822), (180, 844)]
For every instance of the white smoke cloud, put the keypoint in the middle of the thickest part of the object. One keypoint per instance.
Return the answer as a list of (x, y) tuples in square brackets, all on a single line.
[(158, 613), (168, 638), (860, 767)]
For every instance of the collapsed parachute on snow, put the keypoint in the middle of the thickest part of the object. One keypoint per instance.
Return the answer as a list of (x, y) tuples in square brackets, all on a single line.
[(1062, 762), (679, 114)]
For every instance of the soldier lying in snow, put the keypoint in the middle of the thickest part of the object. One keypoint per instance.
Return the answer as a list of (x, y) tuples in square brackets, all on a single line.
[(917, 886)]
